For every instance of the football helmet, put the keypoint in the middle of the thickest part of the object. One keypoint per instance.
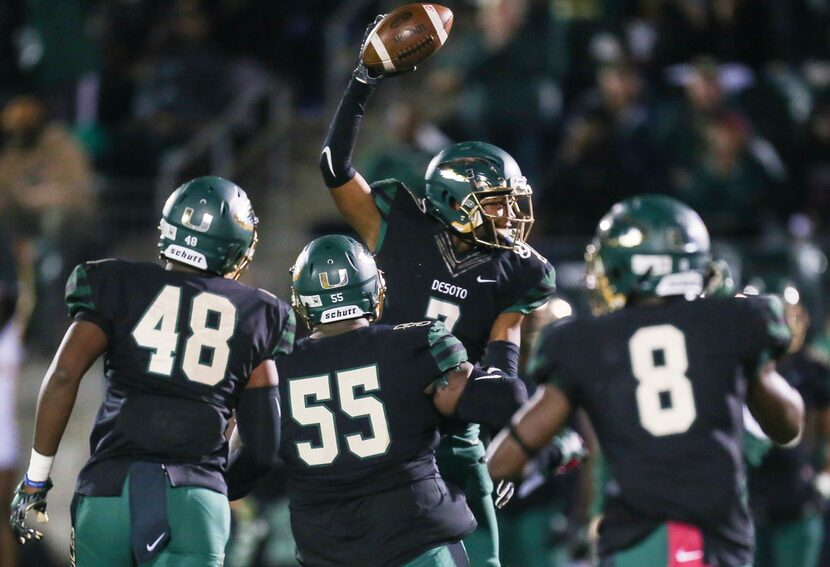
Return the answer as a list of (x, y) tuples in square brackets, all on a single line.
[(334, 279), (646, 246), (208, 223), (478, 191)]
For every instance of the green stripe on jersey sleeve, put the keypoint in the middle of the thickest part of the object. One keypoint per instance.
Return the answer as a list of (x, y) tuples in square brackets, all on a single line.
[(79, 292), (537, 296), (446, 350), (285, 344)]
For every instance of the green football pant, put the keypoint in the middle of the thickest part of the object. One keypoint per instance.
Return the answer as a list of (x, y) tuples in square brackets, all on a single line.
[(526, 538), (795, 543), (439, 557), (463, 465), (199, 527)]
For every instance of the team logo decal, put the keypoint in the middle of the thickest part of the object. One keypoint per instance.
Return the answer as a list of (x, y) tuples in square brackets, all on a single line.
[(403, 326), (311, 300), (207, 219), (342, 279), (340, 313)]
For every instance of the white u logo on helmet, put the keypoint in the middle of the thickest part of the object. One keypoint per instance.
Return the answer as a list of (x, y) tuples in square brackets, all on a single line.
[(207, 219), (342, 276)]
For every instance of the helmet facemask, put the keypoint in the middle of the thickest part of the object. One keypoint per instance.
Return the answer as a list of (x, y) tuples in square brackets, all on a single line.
[(498, 216), (245, 260), (602, 298)]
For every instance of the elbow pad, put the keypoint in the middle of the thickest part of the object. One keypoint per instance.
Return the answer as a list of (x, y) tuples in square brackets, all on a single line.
[(258, 420), (336, 156), (490, 399)]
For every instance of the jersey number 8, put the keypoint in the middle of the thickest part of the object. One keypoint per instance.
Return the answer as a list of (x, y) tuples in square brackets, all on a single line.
[(206, 351), (665, 400)]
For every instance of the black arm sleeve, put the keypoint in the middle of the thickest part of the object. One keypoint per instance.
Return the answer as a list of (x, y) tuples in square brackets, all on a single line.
[(336, 157), (504, 355), (490, 399), (258, 420)]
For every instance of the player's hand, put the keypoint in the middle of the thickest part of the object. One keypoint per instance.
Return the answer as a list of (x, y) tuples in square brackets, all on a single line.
[(718, 280), (572, 451), (28, 497), (361, 72), (504, 492)]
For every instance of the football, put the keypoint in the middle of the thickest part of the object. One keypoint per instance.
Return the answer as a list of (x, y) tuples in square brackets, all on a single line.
[(407, 37)]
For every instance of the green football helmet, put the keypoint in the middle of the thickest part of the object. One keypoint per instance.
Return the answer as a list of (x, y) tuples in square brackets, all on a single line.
[(646, 246), (465, 180), (208, 223), (334, 279)]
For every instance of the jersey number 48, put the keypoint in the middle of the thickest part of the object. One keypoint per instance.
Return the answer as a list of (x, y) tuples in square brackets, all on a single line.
[(212, 322)]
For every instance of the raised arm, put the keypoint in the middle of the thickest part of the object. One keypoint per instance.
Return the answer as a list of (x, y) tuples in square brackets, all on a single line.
[(351, 193)]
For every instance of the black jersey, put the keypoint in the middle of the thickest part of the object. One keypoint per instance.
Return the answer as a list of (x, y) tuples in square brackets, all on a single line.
[(357, 425), (781, 487), (664, 387), (427, 278), (181, 348)]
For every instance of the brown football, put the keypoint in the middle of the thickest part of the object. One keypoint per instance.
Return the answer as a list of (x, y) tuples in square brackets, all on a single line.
[(407, 37)]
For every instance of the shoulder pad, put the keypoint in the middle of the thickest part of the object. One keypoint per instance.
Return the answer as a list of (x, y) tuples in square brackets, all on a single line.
[(402, 326), (559, 327), (267, 293), (525, 251), (390, 187), (80, 293), (446, 350), (271, 298), (101, 261)]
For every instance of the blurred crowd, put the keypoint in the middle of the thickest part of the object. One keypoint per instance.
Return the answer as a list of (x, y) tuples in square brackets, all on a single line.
[(724, 104)]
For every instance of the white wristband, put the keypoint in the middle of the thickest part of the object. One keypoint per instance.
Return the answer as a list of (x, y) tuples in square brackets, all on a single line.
[(39, 467)]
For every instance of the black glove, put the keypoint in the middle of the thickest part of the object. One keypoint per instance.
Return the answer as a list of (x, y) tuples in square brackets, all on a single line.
[(21, 504)]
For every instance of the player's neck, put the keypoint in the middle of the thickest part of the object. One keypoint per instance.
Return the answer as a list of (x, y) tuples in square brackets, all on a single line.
[(338, 327), (460, 245), (176, 267)]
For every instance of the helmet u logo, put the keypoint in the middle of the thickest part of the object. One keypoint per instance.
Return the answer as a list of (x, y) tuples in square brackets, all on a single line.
[(207, 219), (342, 279)]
